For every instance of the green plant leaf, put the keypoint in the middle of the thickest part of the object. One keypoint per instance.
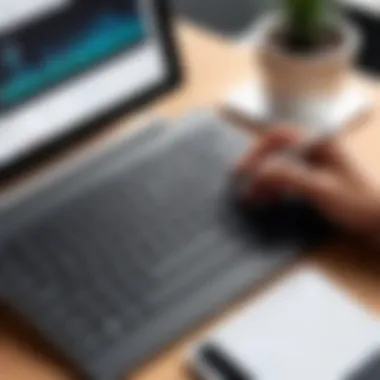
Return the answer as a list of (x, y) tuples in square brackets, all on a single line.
[(306, 19)]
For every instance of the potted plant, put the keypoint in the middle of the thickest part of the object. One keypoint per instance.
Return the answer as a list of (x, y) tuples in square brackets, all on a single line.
[(306, 53)]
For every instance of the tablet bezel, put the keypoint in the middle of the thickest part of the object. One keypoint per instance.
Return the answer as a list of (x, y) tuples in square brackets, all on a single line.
[(47, 150)]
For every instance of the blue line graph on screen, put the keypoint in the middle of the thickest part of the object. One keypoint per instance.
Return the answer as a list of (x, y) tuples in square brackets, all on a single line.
[(104, 33)]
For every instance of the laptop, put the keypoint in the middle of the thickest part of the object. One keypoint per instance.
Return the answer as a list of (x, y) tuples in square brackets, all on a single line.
[(116, 259)]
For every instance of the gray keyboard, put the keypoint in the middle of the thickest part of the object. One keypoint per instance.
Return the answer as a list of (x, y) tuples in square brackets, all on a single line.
[(153, 243)]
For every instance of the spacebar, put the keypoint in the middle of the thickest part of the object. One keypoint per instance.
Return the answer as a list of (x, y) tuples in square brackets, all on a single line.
[(214, 259)]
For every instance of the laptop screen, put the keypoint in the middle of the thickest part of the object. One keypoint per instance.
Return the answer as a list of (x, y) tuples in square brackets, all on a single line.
[(64, 62)]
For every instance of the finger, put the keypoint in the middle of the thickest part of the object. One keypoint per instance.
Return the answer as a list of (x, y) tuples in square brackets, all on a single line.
[(281, 174), (330, 153), (277, 139), (332, 156)]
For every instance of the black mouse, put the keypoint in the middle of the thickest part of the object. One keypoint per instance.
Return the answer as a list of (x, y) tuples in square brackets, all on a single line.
[(289, 219)]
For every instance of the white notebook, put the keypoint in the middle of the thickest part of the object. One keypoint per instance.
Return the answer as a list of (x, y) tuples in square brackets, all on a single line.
[(305, 328)]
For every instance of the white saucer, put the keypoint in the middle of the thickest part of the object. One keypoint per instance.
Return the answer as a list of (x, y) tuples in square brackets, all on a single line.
[(248, 102)]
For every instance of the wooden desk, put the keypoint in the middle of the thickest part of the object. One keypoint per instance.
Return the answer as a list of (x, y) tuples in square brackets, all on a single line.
[(213, 67)]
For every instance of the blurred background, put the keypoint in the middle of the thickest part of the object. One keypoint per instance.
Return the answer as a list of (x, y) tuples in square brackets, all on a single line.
[(236, 19)]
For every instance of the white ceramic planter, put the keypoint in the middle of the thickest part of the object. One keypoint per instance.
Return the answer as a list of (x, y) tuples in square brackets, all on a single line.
[(297, 83)]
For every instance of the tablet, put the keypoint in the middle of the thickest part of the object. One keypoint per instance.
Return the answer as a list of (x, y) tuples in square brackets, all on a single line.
[(65, 64)]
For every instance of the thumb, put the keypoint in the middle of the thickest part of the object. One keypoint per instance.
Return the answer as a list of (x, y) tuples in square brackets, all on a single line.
[(282, 174)]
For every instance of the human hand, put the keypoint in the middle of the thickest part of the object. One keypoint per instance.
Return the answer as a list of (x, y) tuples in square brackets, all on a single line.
[(325, 176)]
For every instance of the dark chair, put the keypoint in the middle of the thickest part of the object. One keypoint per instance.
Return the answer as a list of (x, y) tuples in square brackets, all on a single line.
[(229, 17)]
